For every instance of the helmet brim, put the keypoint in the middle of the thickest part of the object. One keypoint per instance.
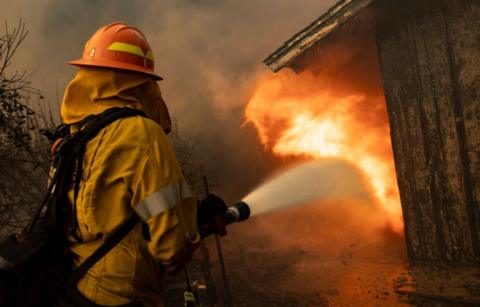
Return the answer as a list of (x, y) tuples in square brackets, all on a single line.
[(115, 65)]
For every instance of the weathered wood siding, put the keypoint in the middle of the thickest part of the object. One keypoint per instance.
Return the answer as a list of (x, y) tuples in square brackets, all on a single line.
[(430, 58)]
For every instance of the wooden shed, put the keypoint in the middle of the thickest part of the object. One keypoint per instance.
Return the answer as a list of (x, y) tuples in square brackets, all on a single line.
[(427, 54)]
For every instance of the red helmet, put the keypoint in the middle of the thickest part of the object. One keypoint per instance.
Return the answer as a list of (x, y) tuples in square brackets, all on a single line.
[(118, 45)]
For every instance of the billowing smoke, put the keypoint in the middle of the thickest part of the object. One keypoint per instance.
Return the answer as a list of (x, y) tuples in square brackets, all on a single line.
[(207, 51)]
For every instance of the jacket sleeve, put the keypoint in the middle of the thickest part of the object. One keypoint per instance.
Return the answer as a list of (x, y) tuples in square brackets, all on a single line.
[(163, 199)]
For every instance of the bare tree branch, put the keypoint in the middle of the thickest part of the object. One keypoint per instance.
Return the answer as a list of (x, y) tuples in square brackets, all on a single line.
[(24, 154)]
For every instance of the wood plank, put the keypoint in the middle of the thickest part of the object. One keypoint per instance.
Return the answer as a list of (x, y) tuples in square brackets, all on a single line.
[(435, 128), (443, 156), (463, 30), (402, 95)]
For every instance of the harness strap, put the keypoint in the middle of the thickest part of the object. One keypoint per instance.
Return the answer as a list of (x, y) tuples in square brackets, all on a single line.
[(88, 128), (75, 143), (70, 150), (108, 244)]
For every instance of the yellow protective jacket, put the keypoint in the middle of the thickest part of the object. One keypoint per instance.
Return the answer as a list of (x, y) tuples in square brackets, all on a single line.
[(129, 166)]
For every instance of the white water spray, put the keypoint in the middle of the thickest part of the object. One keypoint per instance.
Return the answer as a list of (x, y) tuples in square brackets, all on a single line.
[(307, 183)]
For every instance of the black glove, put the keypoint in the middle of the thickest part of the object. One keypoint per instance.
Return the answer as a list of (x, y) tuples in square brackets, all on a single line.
[(211, 216)]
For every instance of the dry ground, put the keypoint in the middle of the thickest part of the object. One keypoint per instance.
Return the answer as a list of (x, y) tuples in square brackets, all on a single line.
[(335, 255)]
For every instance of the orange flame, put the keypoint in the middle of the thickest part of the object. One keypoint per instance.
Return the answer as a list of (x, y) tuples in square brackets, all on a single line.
[(296, 115)]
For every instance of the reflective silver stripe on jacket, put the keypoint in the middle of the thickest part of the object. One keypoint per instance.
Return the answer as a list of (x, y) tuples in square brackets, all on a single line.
[(163, 199)]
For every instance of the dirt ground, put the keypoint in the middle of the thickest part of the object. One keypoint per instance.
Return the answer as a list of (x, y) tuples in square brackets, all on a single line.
[(328, 256), (314, 258)]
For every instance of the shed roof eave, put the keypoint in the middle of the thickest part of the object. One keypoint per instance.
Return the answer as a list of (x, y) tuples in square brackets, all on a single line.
[(337, 15)]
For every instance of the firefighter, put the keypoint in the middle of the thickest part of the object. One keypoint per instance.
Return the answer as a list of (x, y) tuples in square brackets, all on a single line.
[(129, 165)]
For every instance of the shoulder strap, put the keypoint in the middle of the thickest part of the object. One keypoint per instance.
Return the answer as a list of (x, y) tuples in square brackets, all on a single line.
[(89, 127), (74, 145), (72, 148)]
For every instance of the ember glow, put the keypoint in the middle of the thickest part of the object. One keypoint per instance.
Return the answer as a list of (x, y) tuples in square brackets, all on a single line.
[(306, 116)]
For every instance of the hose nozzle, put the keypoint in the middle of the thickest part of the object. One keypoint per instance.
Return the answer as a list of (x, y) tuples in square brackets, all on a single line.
[(209, 222), (239, 212)]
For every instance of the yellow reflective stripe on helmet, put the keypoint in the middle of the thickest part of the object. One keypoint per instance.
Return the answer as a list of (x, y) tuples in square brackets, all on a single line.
[(129, 48)]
